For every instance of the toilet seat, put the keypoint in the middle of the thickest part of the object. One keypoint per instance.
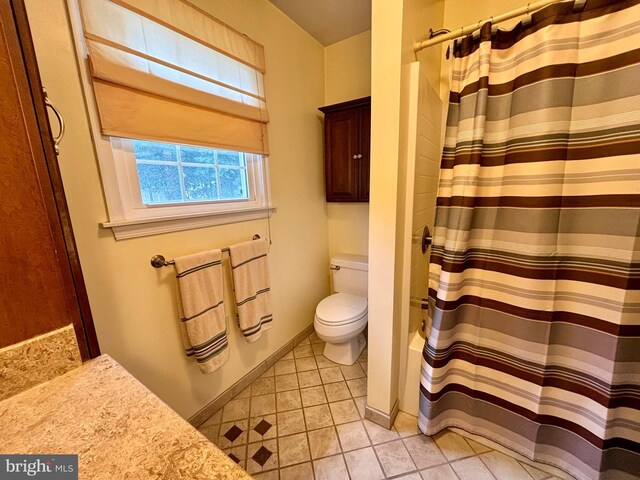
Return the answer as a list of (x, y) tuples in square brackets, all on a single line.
[(341, 309)]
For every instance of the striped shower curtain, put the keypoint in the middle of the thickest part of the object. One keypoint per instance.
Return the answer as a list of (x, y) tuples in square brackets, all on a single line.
[(534, 289)]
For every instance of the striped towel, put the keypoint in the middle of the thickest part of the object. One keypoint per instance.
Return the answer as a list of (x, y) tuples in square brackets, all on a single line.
[(250, 267), (202, 321)]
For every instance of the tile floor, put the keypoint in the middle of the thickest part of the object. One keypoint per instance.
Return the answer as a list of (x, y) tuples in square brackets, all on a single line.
[(304, 419)]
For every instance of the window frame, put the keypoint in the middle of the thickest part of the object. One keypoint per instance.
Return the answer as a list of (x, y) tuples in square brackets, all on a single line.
[(128, 216), (127, 172)]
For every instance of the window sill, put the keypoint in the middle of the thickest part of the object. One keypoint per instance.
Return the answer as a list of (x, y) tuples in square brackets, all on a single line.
[(154, 226)]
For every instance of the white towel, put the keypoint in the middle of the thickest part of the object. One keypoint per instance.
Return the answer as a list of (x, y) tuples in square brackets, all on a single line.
[(250, 267), (202, 316)]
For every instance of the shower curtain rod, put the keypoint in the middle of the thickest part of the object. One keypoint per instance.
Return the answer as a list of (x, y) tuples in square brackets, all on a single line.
[(529, 8)]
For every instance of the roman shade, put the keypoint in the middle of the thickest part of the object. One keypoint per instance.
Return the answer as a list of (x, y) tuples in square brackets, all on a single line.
[(165, 70)]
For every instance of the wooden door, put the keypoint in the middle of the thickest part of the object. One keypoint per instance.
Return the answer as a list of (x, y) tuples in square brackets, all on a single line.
[(341, 156), (41, 287)]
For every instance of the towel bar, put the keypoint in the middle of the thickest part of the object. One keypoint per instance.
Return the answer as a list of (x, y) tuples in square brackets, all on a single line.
[(158, 261)]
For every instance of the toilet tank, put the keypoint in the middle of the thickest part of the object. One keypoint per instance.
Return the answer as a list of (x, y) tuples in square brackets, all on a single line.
[(351, 277)]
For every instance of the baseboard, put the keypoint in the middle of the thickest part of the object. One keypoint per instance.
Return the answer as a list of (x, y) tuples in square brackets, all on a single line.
[(381, 418), (217, 403)]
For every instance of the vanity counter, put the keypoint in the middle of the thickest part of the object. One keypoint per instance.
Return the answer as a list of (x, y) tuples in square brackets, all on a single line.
[(118, 428)]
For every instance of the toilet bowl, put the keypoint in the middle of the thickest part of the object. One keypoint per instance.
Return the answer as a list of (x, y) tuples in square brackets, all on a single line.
[(342, 317)]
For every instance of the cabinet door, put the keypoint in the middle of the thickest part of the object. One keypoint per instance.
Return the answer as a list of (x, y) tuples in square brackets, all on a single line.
[(341, 146), (38, 290), (364, 159)]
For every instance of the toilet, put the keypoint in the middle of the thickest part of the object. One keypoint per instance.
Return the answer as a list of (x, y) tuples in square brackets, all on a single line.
[(342, 316)]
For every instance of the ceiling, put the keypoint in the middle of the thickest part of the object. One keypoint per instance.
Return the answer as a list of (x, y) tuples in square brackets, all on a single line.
[(328, 21)]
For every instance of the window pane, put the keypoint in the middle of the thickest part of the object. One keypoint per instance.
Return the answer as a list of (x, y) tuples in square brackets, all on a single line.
[(197, 155), (200, 183), (233, 183), (155, 151), (159, 183), (226, 157)]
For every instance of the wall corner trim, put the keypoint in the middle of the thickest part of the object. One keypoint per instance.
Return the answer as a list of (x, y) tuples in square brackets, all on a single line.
[(381, 418)]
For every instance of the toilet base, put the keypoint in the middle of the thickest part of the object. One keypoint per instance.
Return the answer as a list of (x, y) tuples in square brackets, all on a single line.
[(345, 353)]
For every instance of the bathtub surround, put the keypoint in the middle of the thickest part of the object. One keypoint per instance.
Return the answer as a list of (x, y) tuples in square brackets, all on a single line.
[(201, 309), (250, 270), (34, 361), (534, 334)]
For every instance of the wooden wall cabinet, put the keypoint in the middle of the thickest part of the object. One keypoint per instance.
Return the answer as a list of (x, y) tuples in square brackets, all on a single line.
[(347, 135)]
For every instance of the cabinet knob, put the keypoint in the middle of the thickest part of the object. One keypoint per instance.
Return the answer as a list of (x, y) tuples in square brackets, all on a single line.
[(355, 156), (359, 155)]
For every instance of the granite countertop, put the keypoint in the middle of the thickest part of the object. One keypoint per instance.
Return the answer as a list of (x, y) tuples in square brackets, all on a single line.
[(115, 424)]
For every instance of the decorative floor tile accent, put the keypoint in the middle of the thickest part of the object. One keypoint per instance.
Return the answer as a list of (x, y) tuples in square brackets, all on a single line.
[(233, 433), (225, 442), (257, 425), (262, 427), (262, 455), (303, 419)]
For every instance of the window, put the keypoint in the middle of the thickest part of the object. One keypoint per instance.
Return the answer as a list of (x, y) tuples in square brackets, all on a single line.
[(169, 173), (168, 181), (176, 100)]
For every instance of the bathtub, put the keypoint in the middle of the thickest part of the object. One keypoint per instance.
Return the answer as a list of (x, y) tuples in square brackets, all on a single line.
[(410, 390)]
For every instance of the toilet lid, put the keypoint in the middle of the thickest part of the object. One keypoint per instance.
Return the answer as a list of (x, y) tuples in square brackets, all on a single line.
[(341, 308)]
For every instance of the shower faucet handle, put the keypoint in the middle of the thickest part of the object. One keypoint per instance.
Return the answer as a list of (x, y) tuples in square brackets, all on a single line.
[(425, 239)]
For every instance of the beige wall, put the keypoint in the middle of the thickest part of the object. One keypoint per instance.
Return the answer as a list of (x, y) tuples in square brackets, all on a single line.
[(386, 32), (347, 75), (347, 69), (133, 304), (397, 25)]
